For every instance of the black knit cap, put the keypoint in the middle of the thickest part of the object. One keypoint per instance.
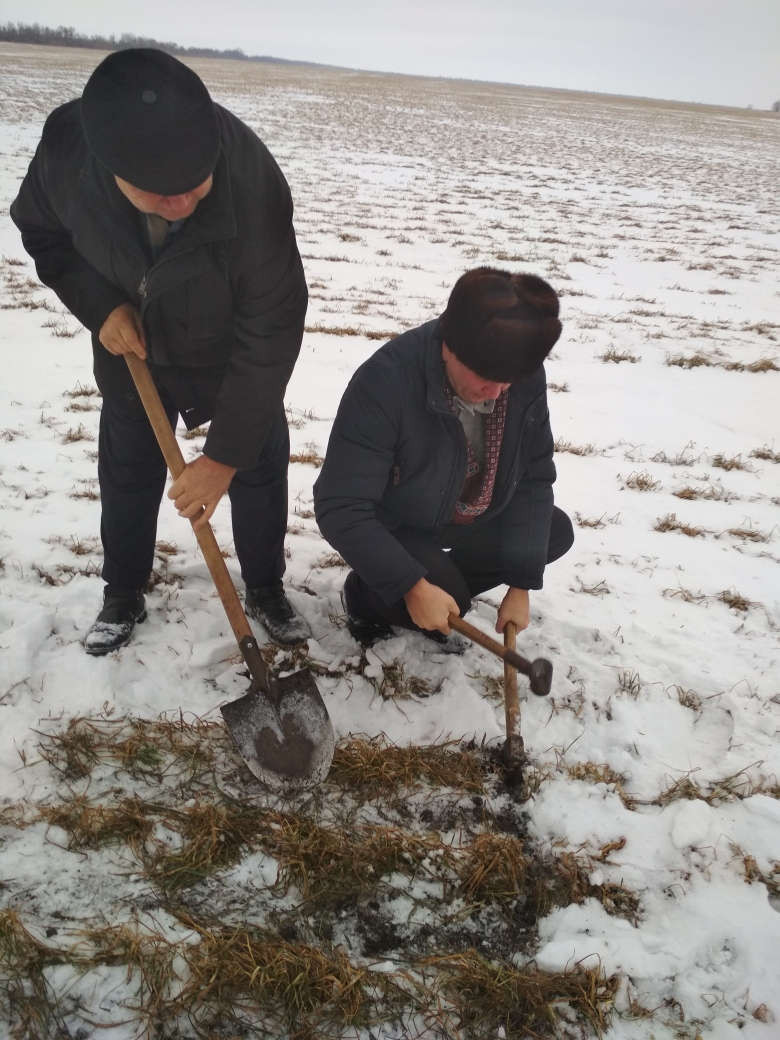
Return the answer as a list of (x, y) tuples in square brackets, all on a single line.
[(150, 120)]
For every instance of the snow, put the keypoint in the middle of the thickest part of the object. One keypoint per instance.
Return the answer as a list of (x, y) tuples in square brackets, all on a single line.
[(692, 823), (400, 185)]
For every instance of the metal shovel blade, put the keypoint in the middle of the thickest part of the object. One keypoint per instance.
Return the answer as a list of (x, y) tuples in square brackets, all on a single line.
[(287, 744)]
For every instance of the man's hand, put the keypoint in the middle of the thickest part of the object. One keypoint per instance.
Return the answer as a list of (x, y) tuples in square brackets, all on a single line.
[(122, 332), (429, 606), (514, 607), (203, 483)]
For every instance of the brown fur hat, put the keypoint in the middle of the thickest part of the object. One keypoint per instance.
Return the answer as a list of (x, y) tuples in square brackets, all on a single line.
[(501, 325)]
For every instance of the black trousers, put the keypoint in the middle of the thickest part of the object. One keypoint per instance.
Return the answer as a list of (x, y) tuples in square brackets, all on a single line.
[(469, 568), (132, 474)]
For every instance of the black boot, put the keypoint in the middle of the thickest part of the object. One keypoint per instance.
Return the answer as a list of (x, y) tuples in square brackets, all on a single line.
[(361, 629), (367, 632), (277, 615), (451, 644), (122, 610)]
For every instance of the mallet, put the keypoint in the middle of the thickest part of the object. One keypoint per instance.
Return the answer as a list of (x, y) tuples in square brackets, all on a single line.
[(539, 672)]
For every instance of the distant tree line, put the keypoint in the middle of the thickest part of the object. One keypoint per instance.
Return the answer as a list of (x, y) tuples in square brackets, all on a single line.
[(66, 36)]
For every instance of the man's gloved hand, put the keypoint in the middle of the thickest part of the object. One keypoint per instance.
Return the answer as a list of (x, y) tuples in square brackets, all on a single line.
[(429, 606), (122, 332), (203, 483), (514, 607)]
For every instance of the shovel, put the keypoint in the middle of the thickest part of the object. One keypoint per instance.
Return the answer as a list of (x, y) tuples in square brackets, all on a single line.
[(281, 727)]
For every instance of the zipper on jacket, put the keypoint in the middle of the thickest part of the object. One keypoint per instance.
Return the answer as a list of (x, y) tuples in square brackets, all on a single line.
[(148, 274), (514, 478), (445, 513)]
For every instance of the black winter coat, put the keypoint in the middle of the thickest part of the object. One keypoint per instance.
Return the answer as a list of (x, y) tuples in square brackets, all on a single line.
[(228, 290), (397, 455)]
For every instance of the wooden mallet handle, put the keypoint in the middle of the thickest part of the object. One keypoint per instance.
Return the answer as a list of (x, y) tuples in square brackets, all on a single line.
[(511, 700)]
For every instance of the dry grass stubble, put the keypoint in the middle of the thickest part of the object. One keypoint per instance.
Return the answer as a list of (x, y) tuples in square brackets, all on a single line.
[(253, 983), (254, 980)]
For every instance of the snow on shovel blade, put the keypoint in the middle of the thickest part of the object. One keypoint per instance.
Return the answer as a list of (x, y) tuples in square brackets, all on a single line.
[(285, 737)]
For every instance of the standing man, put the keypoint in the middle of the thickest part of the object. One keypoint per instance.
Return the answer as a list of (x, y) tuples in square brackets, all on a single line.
[(164, 225), (437, 482)]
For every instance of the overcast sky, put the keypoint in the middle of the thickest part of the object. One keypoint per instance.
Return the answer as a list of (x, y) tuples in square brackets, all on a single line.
[(715, 51)]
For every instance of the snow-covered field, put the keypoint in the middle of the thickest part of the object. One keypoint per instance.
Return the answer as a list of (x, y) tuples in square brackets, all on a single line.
[(657, 754)]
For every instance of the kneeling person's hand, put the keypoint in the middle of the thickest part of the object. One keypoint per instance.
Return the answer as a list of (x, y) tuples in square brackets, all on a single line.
[(429, 606), (514, 607), (202, 484)]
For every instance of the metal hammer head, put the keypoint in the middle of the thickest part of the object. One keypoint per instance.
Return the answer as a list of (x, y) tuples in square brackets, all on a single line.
[(540, 676)]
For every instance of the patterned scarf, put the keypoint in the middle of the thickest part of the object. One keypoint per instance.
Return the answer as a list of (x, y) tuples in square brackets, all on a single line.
[(479, 493)]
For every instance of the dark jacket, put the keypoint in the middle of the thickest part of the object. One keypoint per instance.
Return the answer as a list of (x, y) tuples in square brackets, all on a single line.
[(228, 289), (397, 455)]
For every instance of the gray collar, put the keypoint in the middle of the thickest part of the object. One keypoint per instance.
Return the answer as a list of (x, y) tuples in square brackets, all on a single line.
[(483, 407)]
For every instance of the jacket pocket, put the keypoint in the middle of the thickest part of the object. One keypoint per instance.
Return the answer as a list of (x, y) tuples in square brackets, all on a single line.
[(210, 310)]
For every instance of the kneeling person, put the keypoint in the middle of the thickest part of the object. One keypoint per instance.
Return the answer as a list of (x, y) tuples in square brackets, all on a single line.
[(437, 482)]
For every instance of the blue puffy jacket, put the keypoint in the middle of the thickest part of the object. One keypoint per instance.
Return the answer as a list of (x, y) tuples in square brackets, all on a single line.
[(397, 455)]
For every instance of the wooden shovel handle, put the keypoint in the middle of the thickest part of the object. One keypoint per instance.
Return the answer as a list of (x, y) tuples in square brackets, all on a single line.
[(507, 654), (215, 562)]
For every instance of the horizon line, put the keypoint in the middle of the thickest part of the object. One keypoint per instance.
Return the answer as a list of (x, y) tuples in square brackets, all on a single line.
[(226, 55)]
